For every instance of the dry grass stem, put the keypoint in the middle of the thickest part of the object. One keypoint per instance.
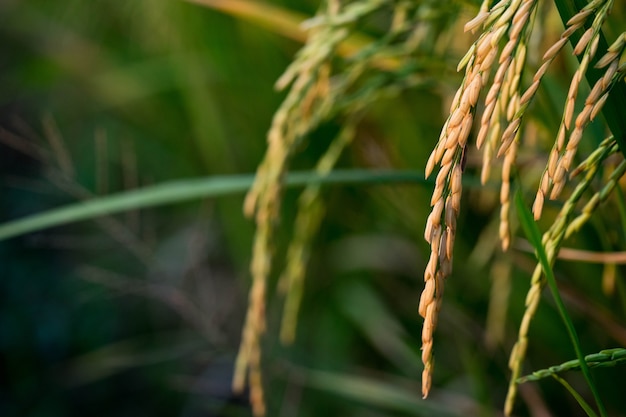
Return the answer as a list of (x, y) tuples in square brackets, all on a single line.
[(58, 147), (579, 255)]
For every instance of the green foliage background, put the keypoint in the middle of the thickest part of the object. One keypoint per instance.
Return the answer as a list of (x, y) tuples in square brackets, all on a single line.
[(140, 313)]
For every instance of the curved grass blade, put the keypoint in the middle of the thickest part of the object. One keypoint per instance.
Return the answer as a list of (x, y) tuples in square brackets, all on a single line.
[(534, 237), (190, 189), (581, 401)]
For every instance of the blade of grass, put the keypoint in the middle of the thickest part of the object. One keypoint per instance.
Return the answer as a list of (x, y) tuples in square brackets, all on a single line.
[(534, 237), (193, 189), (190, 189), (581, 401)]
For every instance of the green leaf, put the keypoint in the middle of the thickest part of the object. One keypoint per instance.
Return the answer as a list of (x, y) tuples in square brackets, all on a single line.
[(190, 189), (576, 396), (534, 237), (193, 189)]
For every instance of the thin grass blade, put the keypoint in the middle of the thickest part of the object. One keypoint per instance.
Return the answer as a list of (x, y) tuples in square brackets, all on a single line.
[(534, 237), (581, 401)]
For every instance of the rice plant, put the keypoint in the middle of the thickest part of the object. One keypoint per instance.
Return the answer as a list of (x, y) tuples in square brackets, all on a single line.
[(495, 63), (527, 98)]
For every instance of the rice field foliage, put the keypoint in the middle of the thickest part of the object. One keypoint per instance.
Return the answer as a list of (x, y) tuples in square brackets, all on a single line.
[(252, 208)]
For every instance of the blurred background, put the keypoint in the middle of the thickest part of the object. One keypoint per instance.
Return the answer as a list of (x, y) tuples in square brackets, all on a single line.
[(140, 314)]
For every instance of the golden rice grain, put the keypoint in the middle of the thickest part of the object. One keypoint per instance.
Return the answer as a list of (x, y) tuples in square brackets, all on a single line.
[(538, 205), (583, 41), (476, 22), (552, 51), (580, 17), (598, 106)]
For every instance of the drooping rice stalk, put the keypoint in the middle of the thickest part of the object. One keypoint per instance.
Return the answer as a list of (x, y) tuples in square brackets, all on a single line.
[(506, 19), (510, 23), (321, 87), (552, 240), (495, 63)]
